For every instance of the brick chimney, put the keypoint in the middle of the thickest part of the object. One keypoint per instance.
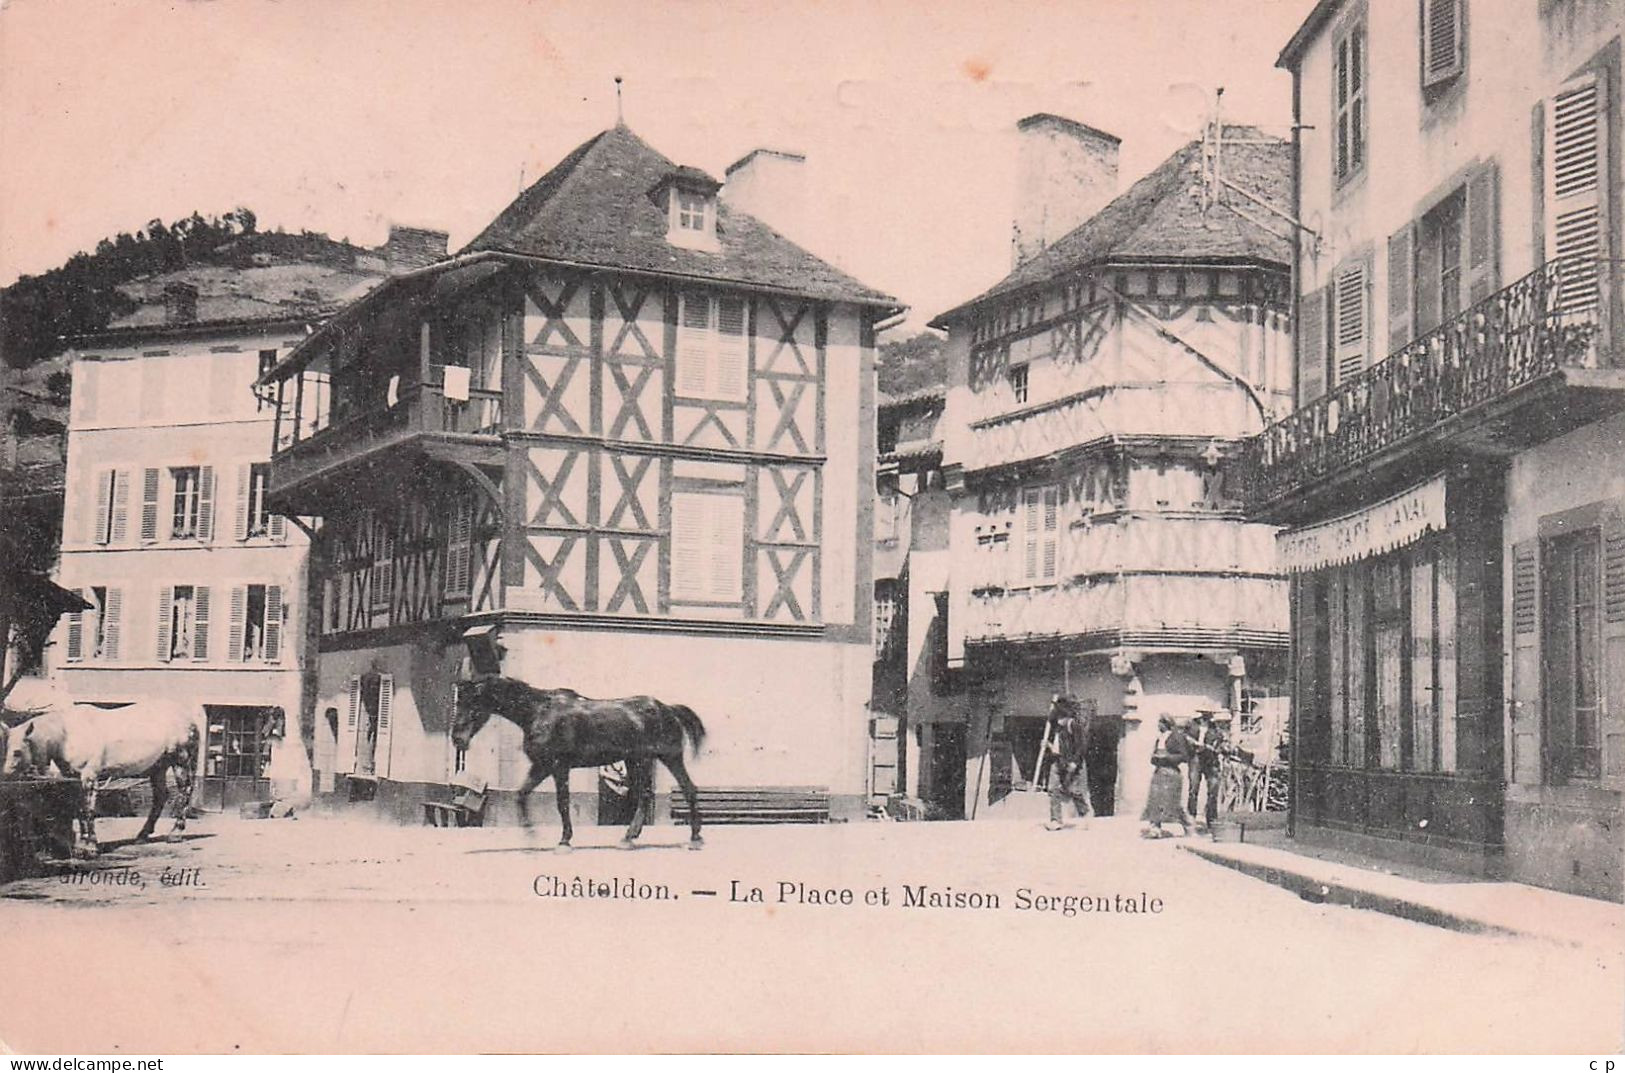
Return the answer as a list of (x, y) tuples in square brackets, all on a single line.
[(1066, 172), (180, 303), (771, 185), (413, 247)]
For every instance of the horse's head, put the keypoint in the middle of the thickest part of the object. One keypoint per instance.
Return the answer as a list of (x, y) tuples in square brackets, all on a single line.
[(23, 751), (476, 702)]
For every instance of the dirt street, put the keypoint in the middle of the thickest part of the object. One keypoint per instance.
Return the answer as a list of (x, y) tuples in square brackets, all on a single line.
[(324, 934)]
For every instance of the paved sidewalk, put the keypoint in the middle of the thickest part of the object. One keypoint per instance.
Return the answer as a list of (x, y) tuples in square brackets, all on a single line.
[(1428, 897)]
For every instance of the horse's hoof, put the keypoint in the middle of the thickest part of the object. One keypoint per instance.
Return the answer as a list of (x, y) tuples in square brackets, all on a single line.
[(143, 836), (563, 847), (174, 836), (627, 843), (696, 843)]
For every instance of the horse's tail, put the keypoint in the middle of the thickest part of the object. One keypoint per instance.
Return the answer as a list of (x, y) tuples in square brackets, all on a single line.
[(693, 729)]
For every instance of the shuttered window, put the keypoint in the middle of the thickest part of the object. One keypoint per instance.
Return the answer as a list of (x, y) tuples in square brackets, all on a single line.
[(1312, 346), (1040, 533), (109, 524), (707, 541), (192, 513), (1350, 321), (1576, 150), (149, 506), (1401, 278), (254, 518), (383, 563), (1444, 47), (256, 628), (711, 348), (183, 622), (76, 632), (459, 549), (1349, 101)]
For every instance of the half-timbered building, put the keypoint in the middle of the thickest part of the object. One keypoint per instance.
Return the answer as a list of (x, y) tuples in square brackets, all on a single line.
[(626, 429), (1095, 398), (1451, 475)]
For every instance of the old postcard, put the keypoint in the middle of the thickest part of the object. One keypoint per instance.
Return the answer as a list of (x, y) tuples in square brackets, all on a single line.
[(822, 527)]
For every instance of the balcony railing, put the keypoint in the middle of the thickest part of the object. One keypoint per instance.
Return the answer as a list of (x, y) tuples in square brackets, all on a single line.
[(420, 409), (1144, 609), (1545, 322)]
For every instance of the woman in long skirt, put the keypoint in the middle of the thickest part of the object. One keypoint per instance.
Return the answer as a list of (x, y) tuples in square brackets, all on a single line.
[(1164, 801)]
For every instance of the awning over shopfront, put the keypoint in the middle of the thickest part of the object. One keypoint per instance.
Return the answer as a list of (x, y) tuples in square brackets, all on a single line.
[(1381, 527)]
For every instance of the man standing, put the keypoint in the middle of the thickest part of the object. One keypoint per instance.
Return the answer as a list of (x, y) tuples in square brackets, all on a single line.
[(1206, 738), (1067, 778)]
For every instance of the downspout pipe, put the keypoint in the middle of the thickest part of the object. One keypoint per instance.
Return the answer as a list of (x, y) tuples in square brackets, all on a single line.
[(1297, 610)]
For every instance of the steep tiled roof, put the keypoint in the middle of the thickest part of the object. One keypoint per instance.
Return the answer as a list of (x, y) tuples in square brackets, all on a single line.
[(1158, 218), (594, 208)]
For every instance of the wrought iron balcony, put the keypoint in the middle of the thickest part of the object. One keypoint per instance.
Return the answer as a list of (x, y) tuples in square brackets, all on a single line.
[(1510, 371)]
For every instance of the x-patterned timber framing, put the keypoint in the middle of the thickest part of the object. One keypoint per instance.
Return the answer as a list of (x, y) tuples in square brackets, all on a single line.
[(591, 479)]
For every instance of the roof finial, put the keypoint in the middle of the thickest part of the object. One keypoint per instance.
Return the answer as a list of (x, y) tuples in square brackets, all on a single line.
[(620, 119)]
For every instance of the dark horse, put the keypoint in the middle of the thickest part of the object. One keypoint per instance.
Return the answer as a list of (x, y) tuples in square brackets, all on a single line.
[(565, 730)]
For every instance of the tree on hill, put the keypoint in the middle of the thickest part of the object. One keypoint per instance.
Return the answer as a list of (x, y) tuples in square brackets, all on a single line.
[(83, 296), (909, 365)]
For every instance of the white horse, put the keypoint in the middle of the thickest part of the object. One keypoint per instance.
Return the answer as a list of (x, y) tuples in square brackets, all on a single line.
[(147, 738)]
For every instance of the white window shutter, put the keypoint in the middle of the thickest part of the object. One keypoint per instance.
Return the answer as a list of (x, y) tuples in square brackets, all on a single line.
[(688, 525), (149, 505), (121, 507), (274, 610), (349, 721), (76, 632), (1442, 45), (235, 627), (104, 501), (1483, 233), (1030, 538), (241, 525), (1576, 154), (200, 622), (166, 600), (732, 350), (205, 504), (111, 615), (694, 339), (727, 535), (386, 706), (1350, 333), (279, 528), (1052, 518)]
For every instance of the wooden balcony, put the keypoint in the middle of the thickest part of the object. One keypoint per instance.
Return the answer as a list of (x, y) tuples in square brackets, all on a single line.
[(306, 462), (1154, 409), (1532, 361), (1139, 610)]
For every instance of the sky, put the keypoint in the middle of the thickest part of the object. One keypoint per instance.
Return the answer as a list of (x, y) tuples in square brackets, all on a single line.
[(345, 116)]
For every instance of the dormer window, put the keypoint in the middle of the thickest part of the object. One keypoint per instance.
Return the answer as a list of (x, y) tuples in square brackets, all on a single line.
[(689, 197), (691, 214)]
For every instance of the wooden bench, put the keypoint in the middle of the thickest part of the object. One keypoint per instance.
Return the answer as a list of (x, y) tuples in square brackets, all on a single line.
[(465, 809), (755, 804)]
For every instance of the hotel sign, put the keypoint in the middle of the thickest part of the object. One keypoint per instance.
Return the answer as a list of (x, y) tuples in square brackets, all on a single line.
[(1381, 527)]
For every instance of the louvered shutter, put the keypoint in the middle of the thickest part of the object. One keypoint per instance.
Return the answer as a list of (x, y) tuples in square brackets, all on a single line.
[(240, 527), (1442, 45), (1483, 234), (694, 339), (149, 505), (1312, 346), (732, 353), (200, 622), (121, 507), (1576, 152), (459, 549), (279, 528), (205, 504), (1401, 282), (1350, 331), (383, 564), (236, 624), (1052, 518), (111, 616), (76, 632), (688, 525), (166, 600), (102, 532), (1524, 766), (1029, 535), (1613, 638), (274, 611), (344, 759), (386, 722), (727, 534)]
